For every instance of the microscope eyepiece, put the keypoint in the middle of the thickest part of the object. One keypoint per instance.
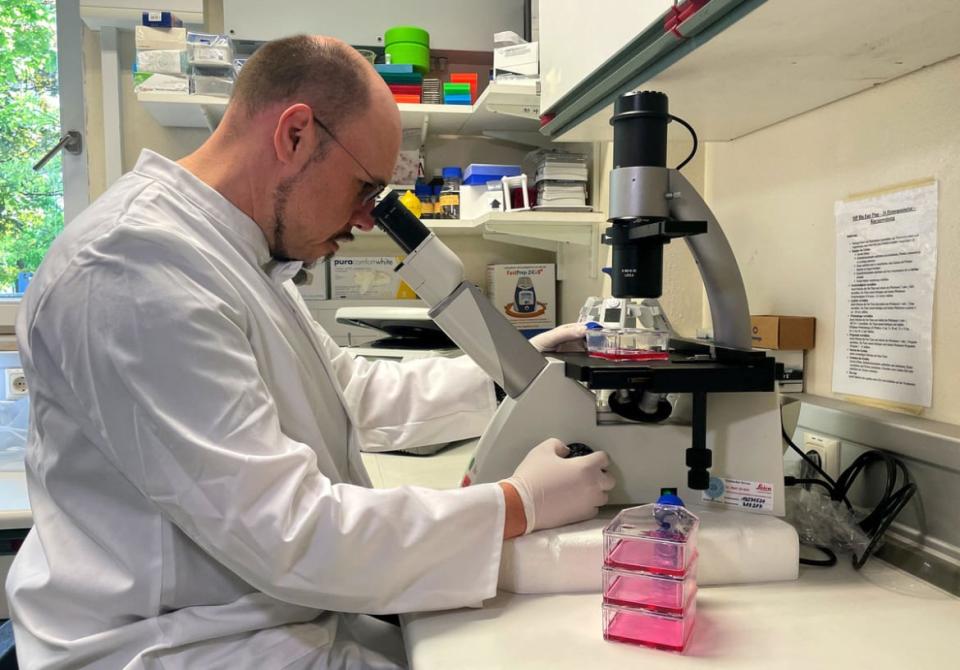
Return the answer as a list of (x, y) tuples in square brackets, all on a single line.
[(640, 130), (393, 217), (639, 161)]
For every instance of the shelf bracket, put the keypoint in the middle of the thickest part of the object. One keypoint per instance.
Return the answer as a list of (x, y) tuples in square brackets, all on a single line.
[(527, 138), (424, 129), (212, 115)]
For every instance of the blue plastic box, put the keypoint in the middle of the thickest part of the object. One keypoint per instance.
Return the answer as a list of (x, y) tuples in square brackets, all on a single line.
[(393, 68), (156, 19), (481, 173)]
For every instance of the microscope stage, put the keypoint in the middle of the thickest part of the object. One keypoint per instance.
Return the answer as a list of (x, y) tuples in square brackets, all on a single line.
[(689, 371)]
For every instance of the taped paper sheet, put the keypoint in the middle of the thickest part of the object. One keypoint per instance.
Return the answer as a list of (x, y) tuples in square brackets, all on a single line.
[(886, 273)]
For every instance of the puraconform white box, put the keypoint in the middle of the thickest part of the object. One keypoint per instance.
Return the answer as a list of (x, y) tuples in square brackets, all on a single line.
[(367, 278)]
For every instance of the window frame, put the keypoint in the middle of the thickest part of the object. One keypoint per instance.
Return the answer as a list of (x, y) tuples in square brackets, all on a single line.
[(76, 181)]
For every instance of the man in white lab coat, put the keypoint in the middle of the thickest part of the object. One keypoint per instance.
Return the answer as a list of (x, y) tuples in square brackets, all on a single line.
[(198, 495)]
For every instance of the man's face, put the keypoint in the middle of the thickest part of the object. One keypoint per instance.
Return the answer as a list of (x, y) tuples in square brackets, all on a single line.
[(317, 208)]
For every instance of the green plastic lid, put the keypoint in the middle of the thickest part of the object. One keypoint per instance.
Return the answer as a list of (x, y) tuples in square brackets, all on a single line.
[(406, 34)]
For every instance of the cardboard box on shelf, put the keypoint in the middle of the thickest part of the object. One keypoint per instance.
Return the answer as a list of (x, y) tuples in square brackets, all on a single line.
[(146, 37), (518, 58), (774, 331), (367, 278), (526, 294)]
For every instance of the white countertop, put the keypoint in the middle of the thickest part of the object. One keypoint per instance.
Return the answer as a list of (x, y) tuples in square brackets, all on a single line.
[(14, 503), (442, 470), (833, 617), (829, 618)]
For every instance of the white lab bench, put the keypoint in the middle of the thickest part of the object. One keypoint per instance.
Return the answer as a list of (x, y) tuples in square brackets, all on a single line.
[(14, 503), (15, 520), (833, 617)]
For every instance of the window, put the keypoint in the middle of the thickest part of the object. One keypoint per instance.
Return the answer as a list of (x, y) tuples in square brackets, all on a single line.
[(31, 202)]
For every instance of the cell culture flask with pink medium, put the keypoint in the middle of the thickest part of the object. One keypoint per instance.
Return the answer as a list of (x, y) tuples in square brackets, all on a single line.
[(649, 574)]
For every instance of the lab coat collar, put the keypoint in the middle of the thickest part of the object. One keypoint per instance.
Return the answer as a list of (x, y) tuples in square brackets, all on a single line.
[(280, 271), (238, 227)]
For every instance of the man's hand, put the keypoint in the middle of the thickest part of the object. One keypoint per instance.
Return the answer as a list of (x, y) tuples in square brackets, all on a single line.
[(555, 490), (568, 337)]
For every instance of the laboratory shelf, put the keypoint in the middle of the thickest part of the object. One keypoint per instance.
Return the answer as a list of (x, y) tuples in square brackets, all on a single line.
[(743, 65), (98, 14), (501, 110), (438, 119), (179, 110), (571, 227), (549, 227), (549, 231)]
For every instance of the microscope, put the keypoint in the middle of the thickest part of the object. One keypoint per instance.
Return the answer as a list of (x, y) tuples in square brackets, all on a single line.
[(702, 418)]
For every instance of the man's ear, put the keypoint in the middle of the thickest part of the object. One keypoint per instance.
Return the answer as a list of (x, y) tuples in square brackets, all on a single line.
[(296, 136)]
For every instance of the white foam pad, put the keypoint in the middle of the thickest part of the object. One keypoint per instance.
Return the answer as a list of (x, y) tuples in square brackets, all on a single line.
[(735, 548)]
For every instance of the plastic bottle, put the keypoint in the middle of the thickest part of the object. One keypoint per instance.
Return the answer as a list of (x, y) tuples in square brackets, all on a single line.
[(450, 193), (425, 195), (435, 199)]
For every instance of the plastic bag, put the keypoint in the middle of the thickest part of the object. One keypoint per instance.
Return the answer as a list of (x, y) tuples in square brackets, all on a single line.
[(823, 522), (14, 420)]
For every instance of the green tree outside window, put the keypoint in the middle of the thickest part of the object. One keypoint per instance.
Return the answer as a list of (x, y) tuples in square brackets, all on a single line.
[(31, 203)]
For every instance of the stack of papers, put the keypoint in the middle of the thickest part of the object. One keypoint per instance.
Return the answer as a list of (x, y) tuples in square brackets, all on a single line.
[(561, 180)]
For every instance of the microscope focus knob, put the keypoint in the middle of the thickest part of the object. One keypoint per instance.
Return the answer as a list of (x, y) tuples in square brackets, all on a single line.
[(578, 449), (698, 480), (699, 461)]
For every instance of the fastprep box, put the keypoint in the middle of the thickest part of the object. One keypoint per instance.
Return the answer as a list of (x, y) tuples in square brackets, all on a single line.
[(526, 293)]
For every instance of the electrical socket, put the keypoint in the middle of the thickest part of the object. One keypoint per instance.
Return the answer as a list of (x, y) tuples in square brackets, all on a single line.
[(16, 383), (829, 450)]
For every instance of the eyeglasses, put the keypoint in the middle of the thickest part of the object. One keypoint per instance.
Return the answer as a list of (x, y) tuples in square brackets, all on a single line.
[(372, 188)]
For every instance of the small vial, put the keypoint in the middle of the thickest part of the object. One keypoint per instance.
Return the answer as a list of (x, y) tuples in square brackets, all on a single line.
[(450, 193)]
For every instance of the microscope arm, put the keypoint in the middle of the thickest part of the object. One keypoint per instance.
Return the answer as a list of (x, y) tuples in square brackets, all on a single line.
[(717, 265), (457, 306)]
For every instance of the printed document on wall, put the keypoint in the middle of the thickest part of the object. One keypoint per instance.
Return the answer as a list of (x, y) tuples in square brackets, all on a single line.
[(886, 272)]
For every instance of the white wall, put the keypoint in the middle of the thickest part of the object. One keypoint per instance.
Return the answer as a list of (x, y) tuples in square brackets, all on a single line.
[(774, 191)]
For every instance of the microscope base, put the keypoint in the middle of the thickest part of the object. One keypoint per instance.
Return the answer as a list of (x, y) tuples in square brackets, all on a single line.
[(743, 432)]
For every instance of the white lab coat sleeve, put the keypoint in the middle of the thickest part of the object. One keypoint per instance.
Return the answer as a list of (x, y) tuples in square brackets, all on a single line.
[(154, 344), (415, 403)]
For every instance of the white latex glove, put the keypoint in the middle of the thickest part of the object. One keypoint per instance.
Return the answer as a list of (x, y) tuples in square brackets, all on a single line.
[(570, 334), (557, 491)]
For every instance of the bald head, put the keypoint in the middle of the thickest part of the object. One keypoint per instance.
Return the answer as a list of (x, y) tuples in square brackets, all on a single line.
[(323, 72), (310, 129)]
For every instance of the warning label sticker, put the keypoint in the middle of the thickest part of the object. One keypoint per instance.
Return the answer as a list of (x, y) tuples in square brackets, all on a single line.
[(739, 494)]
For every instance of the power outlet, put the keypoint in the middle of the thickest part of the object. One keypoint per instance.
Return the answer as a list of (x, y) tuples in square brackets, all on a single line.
[(16, 383), (829, 450)]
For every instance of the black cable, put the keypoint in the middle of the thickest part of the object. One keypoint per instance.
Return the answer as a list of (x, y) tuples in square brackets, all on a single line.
[(693, 135), (877, 521), (903, 495), (660, 115), (828, 562), (793, 481), (813, 464), (806, 471)]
